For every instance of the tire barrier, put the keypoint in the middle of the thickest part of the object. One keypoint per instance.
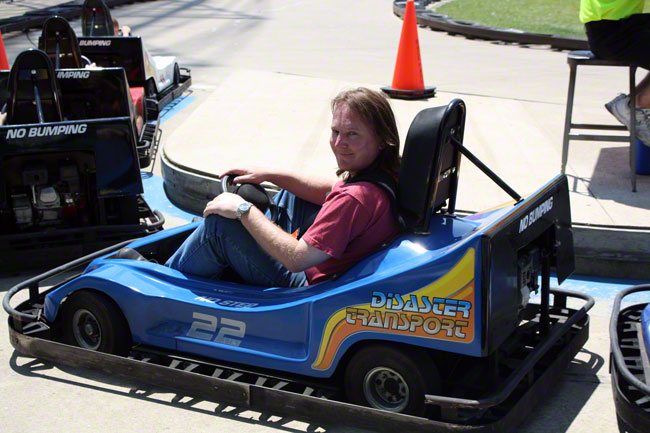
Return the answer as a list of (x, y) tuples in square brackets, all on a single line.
[(472, 30)]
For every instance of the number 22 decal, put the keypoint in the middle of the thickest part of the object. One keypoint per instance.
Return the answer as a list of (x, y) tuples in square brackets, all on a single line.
[(205, 326)]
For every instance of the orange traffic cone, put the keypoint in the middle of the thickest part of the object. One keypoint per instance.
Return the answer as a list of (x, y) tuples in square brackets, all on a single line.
[(408, 82), (4, 64)]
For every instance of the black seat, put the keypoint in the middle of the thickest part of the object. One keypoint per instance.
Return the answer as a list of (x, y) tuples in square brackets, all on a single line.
[(429, 172), (34, 94), (96, 19), (99, 93), (59, 41)]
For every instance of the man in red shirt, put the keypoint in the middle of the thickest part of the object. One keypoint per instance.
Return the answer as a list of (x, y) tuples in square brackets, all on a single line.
[(354, 219)]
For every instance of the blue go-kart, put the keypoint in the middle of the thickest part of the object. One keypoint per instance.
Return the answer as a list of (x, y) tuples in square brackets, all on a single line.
[(434, 331)]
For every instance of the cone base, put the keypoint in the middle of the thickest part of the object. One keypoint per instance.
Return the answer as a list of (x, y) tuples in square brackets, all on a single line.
[(427, 92)]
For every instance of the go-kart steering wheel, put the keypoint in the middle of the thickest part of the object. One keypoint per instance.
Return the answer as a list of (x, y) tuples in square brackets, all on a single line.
[(253, 193)]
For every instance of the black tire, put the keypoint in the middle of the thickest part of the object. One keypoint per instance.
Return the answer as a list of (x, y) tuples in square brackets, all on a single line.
[(390, 378), (150, 88), (92, 320), (177, 74)]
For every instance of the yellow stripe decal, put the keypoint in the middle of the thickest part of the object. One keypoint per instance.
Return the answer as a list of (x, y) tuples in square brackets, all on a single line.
[(442, 310)]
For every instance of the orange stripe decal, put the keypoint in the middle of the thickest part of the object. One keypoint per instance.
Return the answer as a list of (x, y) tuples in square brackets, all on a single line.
[(441, 310)]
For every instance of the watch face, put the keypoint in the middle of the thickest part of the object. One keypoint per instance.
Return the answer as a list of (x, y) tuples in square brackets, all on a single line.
[(243, 208)]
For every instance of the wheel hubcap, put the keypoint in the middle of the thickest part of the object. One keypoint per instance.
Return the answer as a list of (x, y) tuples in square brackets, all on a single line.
[(384, 388), (86, 330)]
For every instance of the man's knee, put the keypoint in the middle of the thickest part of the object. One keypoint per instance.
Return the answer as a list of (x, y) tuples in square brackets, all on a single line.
[(218, 226)]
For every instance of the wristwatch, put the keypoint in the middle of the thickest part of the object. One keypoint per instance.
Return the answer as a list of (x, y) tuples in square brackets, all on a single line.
[(243, 209)]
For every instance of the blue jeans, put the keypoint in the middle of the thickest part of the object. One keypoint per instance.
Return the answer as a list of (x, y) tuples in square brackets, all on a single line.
[(219, 243)]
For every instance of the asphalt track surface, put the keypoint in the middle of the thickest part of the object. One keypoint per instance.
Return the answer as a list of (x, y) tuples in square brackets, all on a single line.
[(217, 39)]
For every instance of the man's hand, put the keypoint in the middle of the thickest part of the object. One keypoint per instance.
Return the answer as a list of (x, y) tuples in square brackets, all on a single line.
[(254, 175), (225, 204)]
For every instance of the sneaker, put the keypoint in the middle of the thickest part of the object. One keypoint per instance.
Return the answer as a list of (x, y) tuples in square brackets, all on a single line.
[(619, 107)]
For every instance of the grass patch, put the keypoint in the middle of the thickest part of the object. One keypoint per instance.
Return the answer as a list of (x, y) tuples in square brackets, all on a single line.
[(557, 17)]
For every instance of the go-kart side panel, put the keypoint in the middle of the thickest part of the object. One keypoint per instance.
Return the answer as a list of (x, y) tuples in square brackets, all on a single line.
[(111, 140), (436, 306), (433, 291), (161, 68)]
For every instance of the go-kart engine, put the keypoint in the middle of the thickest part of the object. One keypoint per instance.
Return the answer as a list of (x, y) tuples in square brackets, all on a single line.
[(40, 202), (529, 268)]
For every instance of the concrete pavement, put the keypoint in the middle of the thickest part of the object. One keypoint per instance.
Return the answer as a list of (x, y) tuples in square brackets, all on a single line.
[(264, 72), (516, 104)]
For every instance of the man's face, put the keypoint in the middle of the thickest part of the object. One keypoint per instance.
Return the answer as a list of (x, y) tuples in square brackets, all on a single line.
[(354, 143)]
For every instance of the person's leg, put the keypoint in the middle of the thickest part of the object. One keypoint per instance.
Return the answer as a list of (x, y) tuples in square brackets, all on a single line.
[(630, 43), (254, 265), (292, 211), (626, 40), (196, 255), (643, 92), (219, 243)]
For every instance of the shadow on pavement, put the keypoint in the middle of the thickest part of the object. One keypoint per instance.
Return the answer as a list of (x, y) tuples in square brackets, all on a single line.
[(565, 401), (39, 369), (611, 179)]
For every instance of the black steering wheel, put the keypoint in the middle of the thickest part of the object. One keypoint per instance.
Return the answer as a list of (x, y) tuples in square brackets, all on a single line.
[(253, 193)]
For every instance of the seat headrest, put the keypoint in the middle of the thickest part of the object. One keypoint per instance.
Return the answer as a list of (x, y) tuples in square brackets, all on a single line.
[(429, 171), (96, 19), (58, 38), (34, 94)]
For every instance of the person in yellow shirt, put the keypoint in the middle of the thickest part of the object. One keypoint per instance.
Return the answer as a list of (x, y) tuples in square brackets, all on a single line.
[(618, 30)]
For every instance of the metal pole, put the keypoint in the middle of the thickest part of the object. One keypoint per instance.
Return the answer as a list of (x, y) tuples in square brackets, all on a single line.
[(485, 169)]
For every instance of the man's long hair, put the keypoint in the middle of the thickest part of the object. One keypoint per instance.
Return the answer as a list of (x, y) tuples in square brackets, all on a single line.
[(374, 109)]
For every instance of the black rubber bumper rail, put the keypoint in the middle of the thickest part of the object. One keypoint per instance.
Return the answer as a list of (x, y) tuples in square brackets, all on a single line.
[(629, 362), (36, 18), (174, 91), (298, 397), (474, 30)]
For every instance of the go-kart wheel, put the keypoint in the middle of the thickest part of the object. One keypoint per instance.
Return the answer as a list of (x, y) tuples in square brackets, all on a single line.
[(253, 193), (92, 320), (396, 380), (150, 88), (177, 74)]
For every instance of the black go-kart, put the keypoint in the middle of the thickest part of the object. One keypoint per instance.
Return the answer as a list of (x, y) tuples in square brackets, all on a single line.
[(161, 77), (70, 182), (59, 41)]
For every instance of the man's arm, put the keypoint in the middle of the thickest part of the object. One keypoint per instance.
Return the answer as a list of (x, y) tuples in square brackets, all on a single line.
[(295, 255), (314, 189)]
